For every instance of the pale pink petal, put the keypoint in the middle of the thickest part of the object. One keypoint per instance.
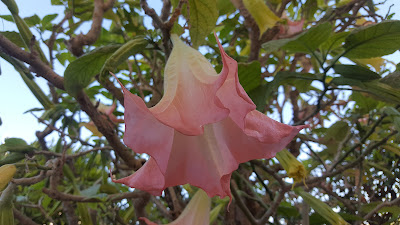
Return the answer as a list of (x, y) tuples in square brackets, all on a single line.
[(190, 86), (294, 27), (197, 212)]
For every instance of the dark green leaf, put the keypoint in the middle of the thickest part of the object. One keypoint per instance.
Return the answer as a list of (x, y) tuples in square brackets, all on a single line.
[(249, 75), (356, 72), (373, 41), (260, 95), (306, 42), (80, 73), (203, 16)]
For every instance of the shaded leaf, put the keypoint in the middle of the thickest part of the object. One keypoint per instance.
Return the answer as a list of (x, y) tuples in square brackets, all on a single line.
[(80, 73), (356, 72), (392, 80), (225, 7), (130, 48), (249, 75), (373, 41), (306, 42)]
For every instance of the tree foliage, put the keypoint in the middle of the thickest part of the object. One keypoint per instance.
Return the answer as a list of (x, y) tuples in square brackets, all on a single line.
[(301, 61)]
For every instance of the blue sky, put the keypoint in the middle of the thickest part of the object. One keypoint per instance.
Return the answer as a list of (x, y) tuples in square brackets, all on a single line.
[(15, 97)]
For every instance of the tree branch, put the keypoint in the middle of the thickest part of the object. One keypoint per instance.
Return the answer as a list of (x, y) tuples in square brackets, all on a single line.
[(32, 59), (75, 44)]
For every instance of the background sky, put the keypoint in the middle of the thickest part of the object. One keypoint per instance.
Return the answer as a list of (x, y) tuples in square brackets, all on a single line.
[(16, 98)]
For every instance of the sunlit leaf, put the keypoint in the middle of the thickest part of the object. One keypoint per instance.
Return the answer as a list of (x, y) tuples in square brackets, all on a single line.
[(264, 17)]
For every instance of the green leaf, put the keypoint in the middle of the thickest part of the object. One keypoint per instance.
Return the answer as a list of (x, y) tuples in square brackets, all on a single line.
[(356, 72), (260, 95), (130, 48), (364, 104), (376, 89), (203, 16), (373, 41), (91, 191), (264, 17), (249, 75), (80, 73), (321, 207), (14, 37), (16, 145), (8, 18), (383, 92), (392, 80), (84, 215), (215, 211), (338, 131), (32, 20), (306, 42), (334, 41), (225, 7), (48, 18)]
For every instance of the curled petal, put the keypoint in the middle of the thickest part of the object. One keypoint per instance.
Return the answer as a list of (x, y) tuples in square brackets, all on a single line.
[(231, 93), (143, 132), (208, 160), (190, 85), (148, 178)]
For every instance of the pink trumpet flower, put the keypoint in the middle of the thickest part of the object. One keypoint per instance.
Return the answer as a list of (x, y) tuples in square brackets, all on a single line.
[(197, 212), (201, 130)]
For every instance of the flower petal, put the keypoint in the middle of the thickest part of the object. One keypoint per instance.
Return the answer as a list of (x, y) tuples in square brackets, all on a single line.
[(231, 93), (148, 178), (143, 132), (190, 86), (208, 160)]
